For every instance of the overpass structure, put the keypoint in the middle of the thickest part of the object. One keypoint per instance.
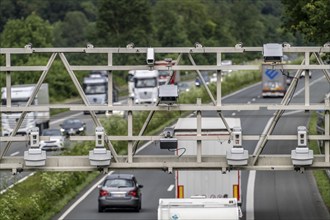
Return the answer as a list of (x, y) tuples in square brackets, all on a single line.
[(254, 161)]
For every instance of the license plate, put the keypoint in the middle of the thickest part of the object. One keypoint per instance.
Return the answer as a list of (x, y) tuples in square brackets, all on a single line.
[(118, 195)]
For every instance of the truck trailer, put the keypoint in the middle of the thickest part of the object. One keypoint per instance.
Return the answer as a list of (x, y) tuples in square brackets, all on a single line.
[(273, 82), (20, 94), (207, 183)]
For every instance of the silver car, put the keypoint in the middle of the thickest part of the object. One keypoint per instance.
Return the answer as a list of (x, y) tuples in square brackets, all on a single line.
[(56, 140), (120, 191)]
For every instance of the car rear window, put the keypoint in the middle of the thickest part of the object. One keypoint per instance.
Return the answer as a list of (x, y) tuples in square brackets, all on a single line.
[(119, 183)]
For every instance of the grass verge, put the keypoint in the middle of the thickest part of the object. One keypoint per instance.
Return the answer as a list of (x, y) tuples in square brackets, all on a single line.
[(320, 176)]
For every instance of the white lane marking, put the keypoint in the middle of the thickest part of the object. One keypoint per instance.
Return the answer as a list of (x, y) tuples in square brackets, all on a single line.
[(293, 112), (251, 183), (250, 196), (238, 91), (62, 119), (14, 154), (310, 84), (170, 188), (19, 181), (83, 197), (252, 173), (74, 205)]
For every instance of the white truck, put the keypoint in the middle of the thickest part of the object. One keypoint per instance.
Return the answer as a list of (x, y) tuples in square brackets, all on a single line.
[(95, 87), (20, 94), (199, 208), (207, 183), (146, 86)]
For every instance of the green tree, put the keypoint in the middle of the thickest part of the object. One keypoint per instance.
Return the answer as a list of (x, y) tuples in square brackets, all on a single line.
[(169, 26), (33, 29), (309, 17), (121, 22), (72, 32)]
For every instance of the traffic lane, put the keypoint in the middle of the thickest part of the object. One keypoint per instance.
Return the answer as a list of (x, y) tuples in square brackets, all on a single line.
[(288, 195), (155, 185)]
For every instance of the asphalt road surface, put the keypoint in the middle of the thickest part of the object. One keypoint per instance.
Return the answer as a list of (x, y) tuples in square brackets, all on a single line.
[(276, 195)]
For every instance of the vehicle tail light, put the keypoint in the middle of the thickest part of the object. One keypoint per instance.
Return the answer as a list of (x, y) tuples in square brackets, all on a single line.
[(133, 193), (103, 193)]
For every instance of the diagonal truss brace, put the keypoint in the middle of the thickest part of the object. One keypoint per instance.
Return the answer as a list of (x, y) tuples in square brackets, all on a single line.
[(151, 113), (86, 102), (29, 102), (209, 93), (285, 101)]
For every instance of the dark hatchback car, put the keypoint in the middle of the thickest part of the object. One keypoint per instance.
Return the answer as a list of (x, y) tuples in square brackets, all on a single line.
[(120, 191), (73, 127)]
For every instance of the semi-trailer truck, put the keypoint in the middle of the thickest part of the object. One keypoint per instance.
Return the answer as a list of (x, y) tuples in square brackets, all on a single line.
[(20, 94), (207, 183), (273, 82), (146, 86)]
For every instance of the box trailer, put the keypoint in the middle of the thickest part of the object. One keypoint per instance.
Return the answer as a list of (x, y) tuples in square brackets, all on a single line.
[(207, 183), (199, 208), (274, 83)]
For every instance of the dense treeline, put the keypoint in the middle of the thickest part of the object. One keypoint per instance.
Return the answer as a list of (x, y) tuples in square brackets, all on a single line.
[(166, 23), (149, 22)]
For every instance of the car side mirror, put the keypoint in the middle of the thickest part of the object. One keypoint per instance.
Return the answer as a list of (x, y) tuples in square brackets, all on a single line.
[(99, 186), (140, 186)]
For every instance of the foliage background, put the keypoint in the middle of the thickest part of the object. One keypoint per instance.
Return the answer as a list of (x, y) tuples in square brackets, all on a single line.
[(165, 23)]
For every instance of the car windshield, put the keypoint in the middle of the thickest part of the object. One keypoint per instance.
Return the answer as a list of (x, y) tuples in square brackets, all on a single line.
[(95, 88), (120, 183), (72, 122), (164, 73), (54, 132)]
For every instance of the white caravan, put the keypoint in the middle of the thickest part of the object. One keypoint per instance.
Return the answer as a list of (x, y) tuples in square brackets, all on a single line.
[(199, 208)]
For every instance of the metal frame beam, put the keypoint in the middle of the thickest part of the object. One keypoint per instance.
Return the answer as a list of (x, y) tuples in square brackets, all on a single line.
[(203, 162), (82, 163)]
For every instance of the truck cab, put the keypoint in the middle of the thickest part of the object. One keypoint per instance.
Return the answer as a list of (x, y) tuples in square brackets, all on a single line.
[(95, 87), (146, 86)]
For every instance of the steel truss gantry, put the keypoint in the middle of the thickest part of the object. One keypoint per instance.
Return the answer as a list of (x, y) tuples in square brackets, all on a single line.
[(256, 161)]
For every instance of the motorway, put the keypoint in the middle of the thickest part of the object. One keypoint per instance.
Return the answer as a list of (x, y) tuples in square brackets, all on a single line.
[(266, 194)]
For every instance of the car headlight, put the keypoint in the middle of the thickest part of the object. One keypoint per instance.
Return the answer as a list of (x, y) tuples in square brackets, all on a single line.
[(62, 130), (81, 129)]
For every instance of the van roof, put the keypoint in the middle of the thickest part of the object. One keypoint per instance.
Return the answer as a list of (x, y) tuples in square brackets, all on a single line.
[(145, 73)]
